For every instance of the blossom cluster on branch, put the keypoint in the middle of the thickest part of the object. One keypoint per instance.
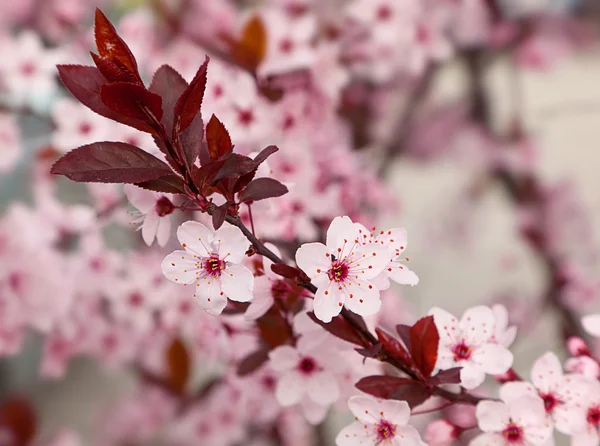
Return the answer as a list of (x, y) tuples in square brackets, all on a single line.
[(240, 140)]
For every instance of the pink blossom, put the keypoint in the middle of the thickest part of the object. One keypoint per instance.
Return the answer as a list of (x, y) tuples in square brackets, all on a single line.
[(591, 324), (154, 216), (441, 433), (560, 393), (468, 344), (504, 334), (267, 288), (381, 422), (211, 261), (305, 371), (10, 143), (521, 421), (343, 271), (590, 436)]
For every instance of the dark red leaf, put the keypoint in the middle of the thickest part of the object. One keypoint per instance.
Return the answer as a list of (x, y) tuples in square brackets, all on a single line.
[(340, 328), (112, 71), (404, 333), (243, 181), (189, 103), (382, 386), (253, 362), (274, 329), (191, 141), (235, 166), (219, 214), (169, 85), (369, 352), (262, 188), (85, 83), (393, 347), (18, 419), (171, 184), (180, 365), (414, 394), (250, 50), (205, 176), (110, 162), (264, 154), (217, 139), (286, 271), (111, 46), (448, 376), (424, 340), (133, 101)]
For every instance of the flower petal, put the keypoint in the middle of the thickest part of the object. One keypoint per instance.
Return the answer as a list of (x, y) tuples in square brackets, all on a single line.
[(290, 389), (492, 416), (323, 388), (396, 239), (209, 295), (143, 200), (341, 234), (514, 390), (328, 300), (488, 440), (368, 261), (262, 300), (164, 231), (471, 376), (477, 325), (180, 267), (232, 244), (355, 434), (401, 274), (407, 436), (284, 358), (237, 282), (492, 358), (361, 297), (591, 324), (546, 373), (447, 326), (313, 259), (150, 227), (196, 237)]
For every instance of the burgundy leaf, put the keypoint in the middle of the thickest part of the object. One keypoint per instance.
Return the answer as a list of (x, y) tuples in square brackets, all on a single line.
[(340, 328), (404, 333), (243, 181), (264, 154), (250, 50), (18, 421), (393, 347), (132, 101), (253, 362), (179, 366), (112, 71), (414, 394), (369, 352), (217, 139), (262, 188), (170, 184), (85, 83), (204, 177), (111, 46), (274, 329), (448, 376), (191, 141), (110, 162), (169, 85), (424, 340), (189, 103), (286, 271), (382, 386), (236, 165), (219, 214)]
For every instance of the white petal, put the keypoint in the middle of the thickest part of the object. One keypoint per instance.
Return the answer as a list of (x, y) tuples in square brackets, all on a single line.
[(314, 413), (341, 234), (180, 267), (365, 408), (164, 230), (290, 389), (356, 434), (528, 411), (569, 419), (368, 261), (477, 324), (209, 295), (237, 282), (143, 200), (232, 243), (492, 358), (395, 239), (195, 237), (284, 358), (313, 259), (512, 391), (361, 297), (471, 376), (402, 275), (328, 300), (488, 440), (446, 324), (591, 324), (546, 372), (323, 388), (492, 416), (150, 227), (407, 436)]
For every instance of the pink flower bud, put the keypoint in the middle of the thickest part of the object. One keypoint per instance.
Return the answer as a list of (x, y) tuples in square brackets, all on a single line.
[(577, 346), (441, 432)]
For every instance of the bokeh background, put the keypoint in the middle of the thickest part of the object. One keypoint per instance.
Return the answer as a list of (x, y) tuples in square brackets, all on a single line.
[(465, 232)]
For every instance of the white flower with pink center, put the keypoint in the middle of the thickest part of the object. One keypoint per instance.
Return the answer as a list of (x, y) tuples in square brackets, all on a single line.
[(395, 240), (379, 422), (306, 371), (154, 213), (591, 324), (520, 422), (343, 271), (590, 436), (469, 344), (211, 261), (561, 394)]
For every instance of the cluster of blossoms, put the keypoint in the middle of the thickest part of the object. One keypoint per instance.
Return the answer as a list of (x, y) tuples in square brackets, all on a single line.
[(253, 331)]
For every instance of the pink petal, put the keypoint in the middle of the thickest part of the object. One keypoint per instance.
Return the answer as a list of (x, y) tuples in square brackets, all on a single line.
[(323, 388), (477, 325), (341, 234), (268, 262), (365, 408), (164, 230), (361, 297), (492, 416), (395, 239), (262, 300), (237, 282), (290, 389), (355, 434), (591, 324), (407, 436), (313, 259), (528, 411), (327, 300), (402, 275), (196, 237), (546, 373), (180, 267), (150, 227), (232, 244), (370, 261), (512, 391), (284, 358), (143, 200), (446, 324), (471, 376), (488, 440), (209, 295), (492, 358)]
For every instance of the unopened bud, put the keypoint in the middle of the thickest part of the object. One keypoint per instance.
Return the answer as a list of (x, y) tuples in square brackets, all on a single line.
[(441, 433)]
